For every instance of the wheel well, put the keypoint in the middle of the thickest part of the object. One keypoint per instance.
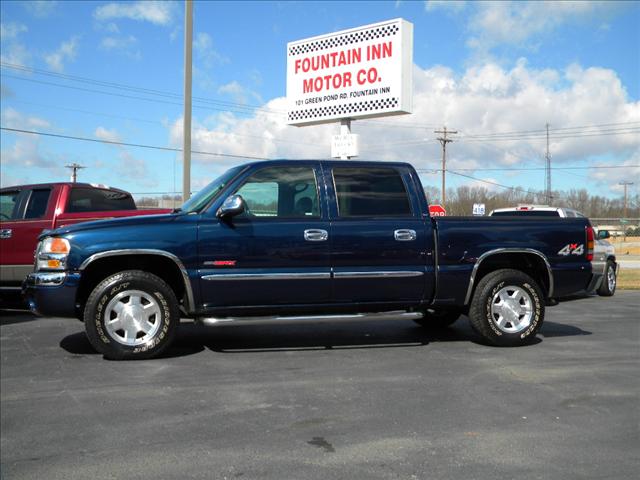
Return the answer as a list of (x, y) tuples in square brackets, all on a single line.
[(529, 263), (98, 270)]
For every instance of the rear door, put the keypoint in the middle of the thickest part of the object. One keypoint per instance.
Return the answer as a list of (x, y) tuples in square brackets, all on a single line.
[(381, 247), (277, 252)]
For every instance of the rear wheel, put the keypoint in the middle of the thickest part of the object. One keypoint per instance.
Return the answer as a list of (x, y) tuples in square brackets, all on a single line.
[(438, 318), (507, 308), (608, 287), (131, 315)]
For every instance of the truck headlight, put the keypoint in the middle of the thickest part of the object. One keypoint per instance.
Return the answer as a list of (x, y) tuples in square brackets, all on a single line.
[(52, 254)]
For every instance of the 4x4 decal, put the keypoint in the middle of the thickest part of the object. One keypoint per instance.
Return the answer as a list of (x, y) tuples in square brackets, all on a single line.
[(572, 249)]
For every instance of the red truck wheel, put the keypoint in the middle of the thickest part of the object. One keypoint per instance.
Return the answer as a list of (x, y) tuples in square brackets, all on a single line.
[(507, 308), (131, 315)]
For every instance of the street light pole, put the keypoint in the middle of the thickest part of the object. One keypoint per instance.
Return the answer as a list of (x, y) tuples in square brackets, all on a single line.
[(186, 127)]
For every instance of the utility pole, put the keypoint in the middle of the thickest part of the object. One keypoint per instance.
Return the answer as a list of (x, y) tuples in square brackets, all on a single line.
[(75, 167), (443, 141), (186, 126), (547, 171), (625, 185)]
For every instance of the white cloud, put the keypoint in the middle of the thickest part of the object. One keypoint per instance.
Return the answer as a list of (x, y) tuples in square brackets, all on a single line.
[(25, 151), (11, 30), (125, 44), (13, 119), (451, 5), (156, 12), (612, 178), (108, 135), (40, 8), (118, 43), (135, 167), (12, 51), (516, 23), (483, 99), (15, 53), (203, 46), (239, 93), (67, 51)]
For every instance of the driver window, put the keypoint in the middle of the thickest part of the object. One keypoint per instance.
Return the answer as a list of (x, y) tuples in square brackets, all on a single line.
[(282, 192)]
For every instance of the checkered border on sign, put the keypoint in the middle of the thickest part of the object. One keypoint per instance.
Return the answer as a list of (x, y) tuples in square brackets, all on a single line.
[(343, 110), (348, 39)]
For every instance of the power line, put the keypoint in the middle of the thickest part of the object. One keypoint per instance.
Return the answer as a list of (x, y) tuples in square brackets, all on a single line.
[(520, 189), (132, 88), (543, 131), (89, 112), (125, 144)]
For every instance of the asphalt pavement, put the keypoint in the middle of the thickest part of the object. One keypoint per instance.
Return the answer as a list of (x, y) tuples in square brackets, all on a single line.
[(359, 400)]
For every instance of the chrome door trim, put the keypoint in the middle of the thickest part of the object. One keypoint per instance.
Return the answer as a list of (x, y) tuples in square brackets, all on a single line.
[(497, 251), (393, 315), (316, 235), (267, 276), (144, 251), (405, 235), (379, 274)]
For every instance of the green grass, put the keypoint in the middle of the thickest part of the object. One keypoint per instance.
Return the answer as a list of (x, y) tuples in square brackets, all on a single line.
[(629, 279)]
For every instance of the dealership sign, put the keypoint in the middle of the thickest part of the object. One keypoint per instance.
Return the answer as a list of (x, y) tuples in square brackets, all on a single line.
[(363, 72)]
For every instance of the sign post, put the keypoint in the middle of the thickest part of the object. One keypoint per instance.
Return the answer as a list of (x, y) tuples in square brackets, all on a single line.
[(363, 72)]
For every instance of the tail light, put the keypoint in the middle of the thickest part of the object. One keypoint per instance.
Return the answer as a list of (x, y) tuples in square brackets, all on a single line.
[(589, 231)]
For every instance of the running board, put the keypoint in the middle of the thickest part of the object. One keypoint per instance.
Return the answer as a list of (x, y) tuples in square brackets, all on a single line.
[(395, 315)]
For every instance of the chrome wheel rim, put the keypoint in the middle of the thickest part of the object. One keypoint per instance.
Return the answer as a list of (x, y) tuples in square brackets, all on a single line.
[(611, 279), (132, 317), (512, 309)]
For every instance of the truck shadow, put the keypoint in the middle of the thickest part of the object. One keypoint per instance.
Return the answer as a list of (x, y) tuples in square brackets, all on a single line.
[(192, 339)]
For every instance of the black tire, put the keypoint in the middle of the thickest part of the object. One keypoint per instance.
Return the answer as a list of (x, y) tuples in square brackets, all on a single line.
[(437, 318), (607, 289), (488, 296), (110, 297)]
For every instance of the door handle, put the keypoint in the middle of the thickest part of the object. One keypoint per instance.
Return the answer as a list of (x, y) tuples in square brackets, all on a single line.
[(404, 235), (5, 233), (316, 235)]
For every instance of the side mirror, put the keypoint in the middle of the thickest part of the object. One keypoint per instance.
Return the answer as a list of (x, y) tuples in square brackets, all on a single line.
[(232, 206), (602, 234)]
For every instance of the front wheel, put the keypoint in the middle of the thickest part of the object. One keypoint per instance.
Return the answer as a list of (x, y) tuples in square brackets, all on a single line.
[(507, 308), (131, 315), (608, 287)]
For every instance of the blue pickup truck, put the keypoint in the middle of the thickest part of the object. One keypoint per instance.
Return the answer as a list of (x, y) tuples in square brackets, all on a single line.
[(301, 239)]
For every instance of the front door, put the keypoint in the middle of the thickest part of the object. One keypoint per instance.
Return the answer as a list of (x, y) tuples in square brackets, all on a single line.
[(277, 252), (381, 246), (24, 216)]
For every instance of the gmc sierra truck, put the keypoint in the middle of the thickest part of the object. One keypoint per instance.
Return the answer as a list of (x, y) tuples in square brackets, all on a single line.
[(299, 240)]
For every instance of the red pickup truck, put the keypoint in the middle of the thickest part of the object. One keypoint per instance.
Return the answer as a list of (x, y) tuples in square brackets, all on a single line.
[(27, 210)]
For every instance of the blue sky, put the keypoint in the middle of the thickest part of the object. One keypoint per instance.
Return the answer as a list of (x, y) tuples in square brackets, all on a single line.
[(481, 68)]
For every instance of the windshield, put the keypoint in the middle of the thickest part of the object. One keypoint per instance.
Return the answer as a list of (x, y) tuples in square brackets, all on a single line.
[(208, 193)]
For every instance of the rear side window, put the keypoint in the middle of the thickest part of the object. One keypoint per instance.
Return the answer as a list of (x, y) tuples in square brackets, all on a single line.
[(99, 200), (370, 192), (37, 205), (8, 201)]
